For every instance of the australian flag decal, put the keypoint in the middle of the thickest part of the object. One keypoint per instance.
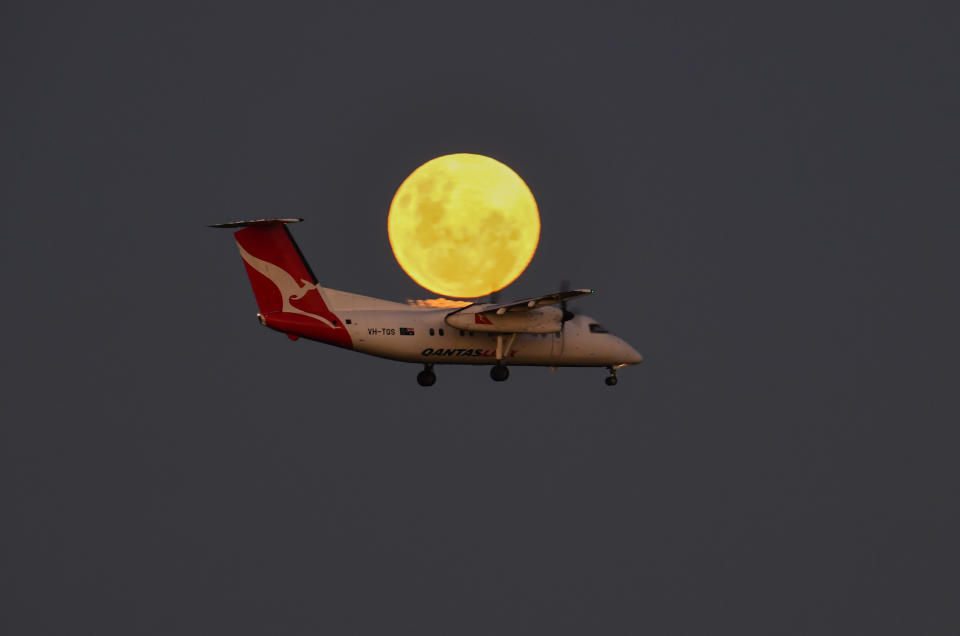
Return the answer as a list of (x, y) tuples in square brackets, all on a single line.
[(406, 331)]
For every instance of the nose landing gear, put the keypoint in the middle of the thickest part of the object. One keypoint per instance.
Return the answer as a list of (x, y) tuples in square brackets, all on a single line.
[(611, 379), (427, 377)]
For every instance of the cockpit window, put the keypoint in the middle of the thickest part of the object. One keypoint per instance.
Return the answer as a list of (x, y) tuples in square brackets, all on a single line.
[(595, 328)]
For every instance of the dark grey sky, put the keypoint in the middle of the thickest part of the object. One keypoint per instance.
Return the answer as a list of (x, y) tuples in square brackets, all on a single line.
[(764, 194)]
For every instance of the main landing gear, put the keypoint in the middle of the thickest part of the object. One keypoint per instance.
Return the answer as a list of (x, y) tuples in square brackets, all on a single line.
[(427, 377), (612, 378), (499, 372)]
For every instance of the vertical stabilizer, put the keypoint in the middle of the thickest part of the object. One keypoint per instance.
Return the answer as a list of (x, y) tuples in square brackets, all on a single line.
[(286, 290)]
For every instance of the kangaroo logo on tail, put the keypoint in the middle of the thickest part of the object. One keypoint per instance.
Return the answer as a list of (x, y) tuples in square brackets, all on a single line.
[(289, 288)]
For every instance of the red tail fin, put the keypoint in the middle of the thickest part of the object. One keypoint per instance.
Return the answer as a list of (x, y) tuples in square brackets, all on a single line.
[(286, 290)]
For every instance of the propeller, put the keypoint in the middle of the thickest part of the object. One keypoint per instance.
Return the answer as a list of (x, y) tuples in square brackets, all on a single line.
[(567, 314)]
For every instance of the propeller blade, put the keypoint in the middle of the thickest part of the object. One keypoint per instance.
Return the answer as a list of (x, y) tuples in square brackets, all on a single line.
[(567, 314)]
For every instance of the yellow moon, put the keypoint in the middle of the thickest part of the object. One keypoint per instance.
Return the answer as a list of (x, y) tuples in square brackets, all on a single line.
[(463, 225)]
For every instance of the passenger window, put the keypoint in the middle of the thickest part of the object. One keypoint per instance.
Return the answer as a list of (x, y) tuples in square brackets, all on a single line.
[(595, 328), (431, 331), (441, 331)]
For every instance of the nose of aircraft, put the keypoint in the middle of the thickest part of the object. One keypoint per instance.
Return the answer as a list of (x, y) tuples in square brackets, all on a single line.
[(628, 354)]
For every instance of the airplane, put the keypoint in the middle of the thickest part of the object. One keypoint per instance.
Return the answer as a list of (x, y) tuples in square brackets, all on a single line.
[(530, 332)]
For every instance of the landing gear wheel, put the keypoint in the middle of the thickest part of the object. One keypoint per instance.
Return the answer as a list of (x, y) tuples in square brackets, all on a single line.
[(611, 380), (426, 377), (499, 373)]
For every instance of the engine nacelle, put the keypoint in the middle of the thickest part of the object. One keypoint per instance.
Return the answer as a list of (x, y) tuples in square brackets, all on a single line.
[(539, 320)]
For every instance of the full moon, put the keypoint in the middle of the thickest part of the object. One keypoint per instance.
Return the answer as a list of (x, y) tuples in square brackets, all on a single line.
[(463, 225)]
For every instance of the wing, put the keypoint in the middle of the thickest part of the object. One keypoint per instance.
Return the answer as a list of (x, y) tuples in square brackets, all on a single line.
[(530, 315), (530, 303)]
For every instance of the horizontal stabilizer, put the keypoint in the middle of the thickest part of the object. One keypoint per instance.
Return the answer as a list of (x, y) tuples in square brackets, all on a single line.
[(255, 223)]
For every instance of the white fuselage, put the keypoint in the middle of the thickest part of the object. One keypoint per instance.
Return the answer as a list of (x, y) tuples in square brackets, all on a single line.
[(422, 335)]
